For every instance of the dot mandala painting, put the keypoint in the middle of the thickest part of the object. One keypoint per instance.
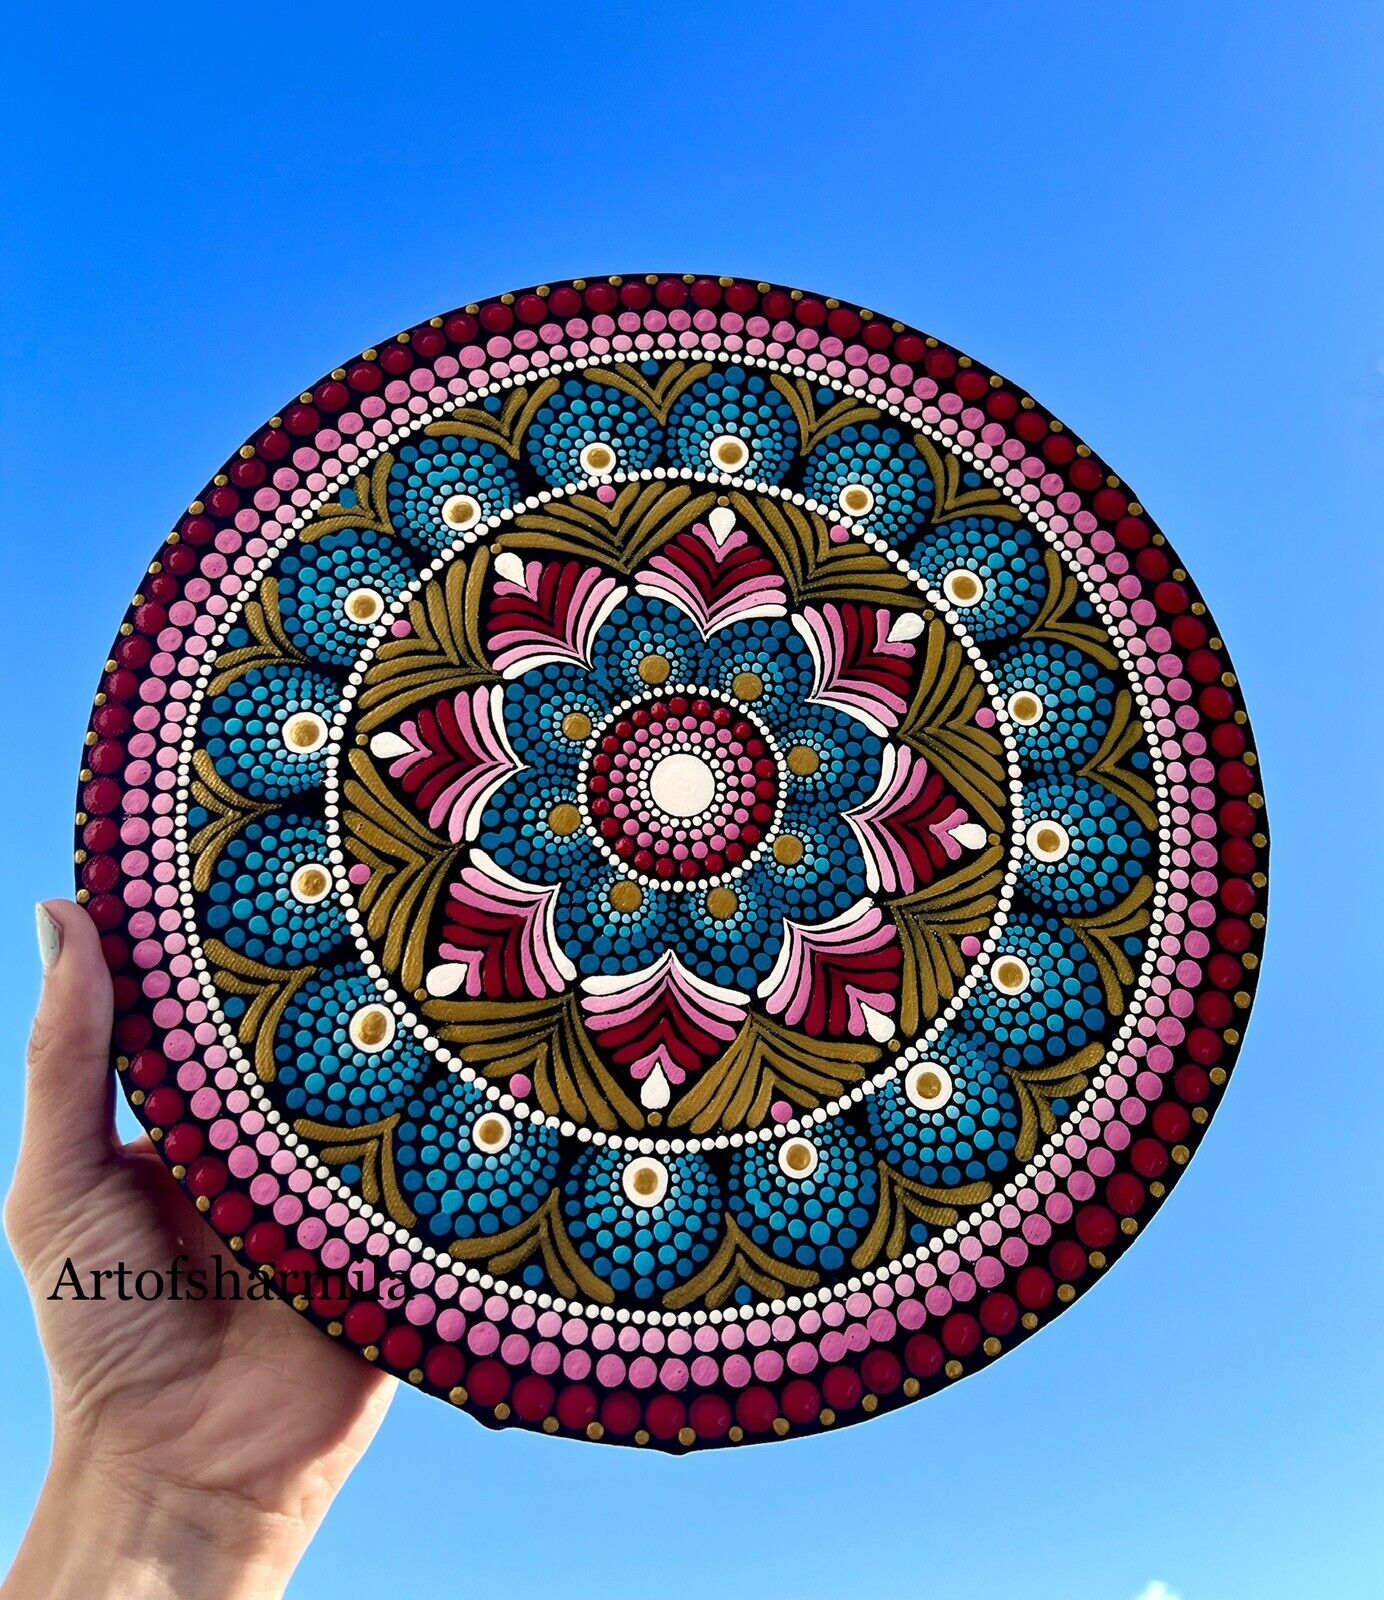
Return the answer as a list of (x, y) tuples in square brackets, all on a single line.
[(682, 863)]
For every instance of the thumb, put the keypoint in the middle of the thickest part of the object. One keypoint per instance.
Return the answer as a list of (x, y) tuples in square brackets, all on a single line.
[(69, 1111)]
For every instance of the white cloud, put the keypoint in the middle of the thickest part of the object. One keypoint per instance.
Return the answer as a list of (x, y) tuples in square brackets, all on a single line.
[(1158, 1590)]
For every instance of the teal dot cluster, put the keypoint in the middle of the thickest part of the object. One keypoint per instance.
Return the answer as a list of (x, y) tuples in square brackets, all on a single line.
[(428, 472), (601, 939), (968, 1139), (883, 460), (1061, 1010), (588, 413), (813, 1221), (1078, 697), (743, 404), (241, 731), (249, 904), (642, 1251), (1005, 557), (456, 1190), (323, 1074), (1110, 848), (315, 580)]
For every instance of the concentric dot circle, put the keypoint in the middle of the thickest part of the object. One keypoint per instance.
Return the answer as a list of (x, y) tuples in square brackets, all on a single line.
[(282, 744)]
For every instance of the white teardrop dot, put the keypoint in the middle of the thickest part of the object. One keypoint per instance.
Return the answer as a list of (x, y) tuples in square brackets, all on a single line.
[(1025, 707), (491, 1133), (722, 523), (878, 1025), (444, 979), (1047, 840), (363, 607), (645, 1181), (372, 1028), (856, 499), (970, 836), (510, 567), (729, 453), (927, 1085), (597, 458), (461, 512), (1010, 974), (963, 588), (310, 883), (654, 1092), (798, 1158), (387, 746), (304, 732), (908, 626)]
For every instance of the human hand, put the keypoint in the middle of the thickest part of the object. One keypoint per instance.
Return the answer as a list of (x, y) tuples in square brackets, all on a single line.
[(197, 1444)]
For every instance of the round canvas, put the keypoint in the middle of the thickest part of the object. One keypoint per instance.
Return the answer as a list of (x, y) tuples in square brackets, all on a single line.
[(683, 863)]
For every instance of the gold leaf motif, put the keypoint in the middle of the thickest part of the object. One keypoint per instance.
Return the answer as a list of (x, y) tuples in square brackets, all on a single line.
[(370, 512), (769, 1062), (1109, 766), (543, 1235), (904, 1201), (444, 652), (941, 724), (739, 1262), (1104, 936), (230, 811), (268, 990), (816, 570), (815, 425), (658, 395), (506, 428), (410, 866), (1037, 1087), (547, 1041), (951, 497), (372, 1149), (272, 647), (932, 924), (1057, 621), (622, 535)]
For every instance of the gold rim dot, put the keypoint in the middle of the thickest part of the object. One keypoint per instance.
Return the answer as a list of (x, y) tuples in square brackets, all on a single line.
[(788, 850), (856, 500), (576, 725), (803, 761), (747, 686), (722, 904), (310, 883), (654, 669), (564, 820)]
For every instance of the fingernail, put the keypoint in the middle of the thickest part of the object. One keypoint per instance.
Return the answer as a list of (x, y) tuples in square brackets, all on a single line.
[(49, 936)]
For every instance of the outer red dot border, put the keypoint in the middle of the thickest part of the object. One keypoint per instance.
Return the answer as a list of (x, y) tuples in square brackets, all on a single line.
[(876, 1380)]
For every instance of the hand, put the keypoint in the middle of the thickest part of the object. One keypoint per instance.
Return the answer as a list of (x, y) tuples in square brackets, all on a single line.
[(196, 1444)]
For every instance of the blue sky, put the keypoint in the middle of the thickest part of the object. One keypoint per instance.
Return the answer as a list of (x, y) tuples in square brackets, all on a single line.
[(1165, 220)]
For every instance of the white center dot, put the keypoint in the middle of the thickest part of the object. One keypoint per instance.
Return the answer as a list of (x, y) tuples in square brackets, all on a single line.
[(682, 785)]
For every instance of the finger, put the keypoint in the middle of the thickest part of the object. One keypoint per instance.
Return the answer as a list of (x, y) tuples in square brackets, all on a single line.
[(69, 1112)]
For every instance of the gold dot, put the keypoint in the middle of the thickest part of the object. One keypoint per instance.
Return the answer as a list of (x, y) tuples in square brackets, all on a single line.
[(929, 1085), (310, 884), (962, 588), (788, 850), (1048, 840), (798, 1159), (576, 725), (305, 730), (492, 1132), (722, 904), (1010, 976), (645, 1182), (856, 500), (563, 820), (626, 897), (372, 1027), (1025, 708), (730, 453), (747, 686), (654, 669), (803, 761), (597, 458)]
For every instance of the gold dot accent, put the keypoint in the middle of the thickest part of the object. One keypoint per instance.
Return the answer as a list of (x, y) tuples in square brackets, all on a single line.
[(730, 453), (799, 1160), (962, 588), (856, 500), (687, 1436), (491, 1133), (305, 730), (310, 884), (576, 725), (747, 686), (626, 897), (372, 1027), (363, 605), (929, 1085), (1025, 708), (655, 669), (1048, 839), (461, 511), (803, 761), (788, 850), (722, 904), (563, 820), (1010, 976), (644, 1182), (597, 458)]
